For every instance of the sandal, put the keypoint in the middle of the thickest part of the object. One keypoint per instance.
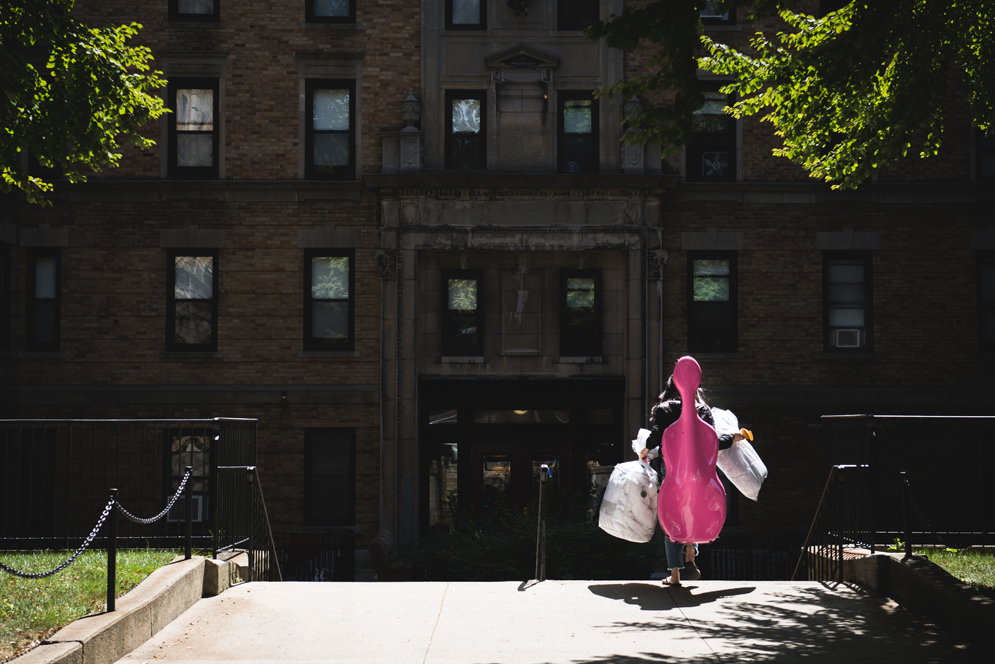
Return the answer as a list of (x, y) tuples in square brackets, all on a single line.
[(692, 572), (667, 583)]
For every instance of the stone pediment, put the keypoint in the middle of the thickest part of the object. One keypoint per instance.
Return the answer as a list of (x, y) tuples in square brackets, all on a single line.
[(522, 57)]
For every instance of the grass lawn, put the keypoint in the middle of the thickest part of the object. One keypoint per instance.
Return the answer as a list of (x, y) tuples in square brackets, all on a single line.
[(33, 609), (975, 567)]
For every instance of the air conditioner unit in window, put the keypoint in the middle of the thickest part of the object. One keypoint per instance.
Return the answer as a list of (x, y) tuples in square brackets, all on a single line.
[(178, 512), (847, 339)]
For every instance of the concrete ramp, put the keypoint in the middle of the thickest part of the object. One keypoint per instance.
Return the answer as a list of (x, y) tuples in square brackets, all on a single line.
[(553, 622)]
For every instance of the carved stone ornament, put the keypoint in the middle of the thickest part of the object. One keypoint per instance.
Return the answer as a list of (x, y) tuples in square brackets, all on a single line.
[(409, 213), (387, 262), (632, 108), (658, 259), (520, 7), (411, 111)]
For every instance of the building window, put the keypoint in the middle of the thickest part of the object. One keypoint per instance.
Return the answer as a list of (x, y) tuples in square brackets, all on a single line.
[(986, 300), (466, 14), (330, 477), (192, 303), (466, 129), (329, 299), (712, 14), (580, 313), (330, 140), (575, 15), (578, 135), (712, 302), (846, 280), (43, 306), (193, 129), (330, 11), (194, 10), (984, 150), (711, 150), (462, 334), (6, 291)]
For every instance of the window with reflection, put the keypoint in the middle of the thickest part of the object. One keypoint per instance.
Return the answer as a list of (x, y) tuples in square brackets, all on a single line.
[(580, 313), (575, 15), (578, 133), (330, 476), (522, 416), (329, 303), (496, 479), (847, 311), (466, 14), (986, 300), (462, 318), (711, 149), (715, 14), (43, 304), (193, 128), (330, 11), (466, 129), (330, 130), (192, 307), (712, 305), (443, 473), (194, 10), (190, 448)]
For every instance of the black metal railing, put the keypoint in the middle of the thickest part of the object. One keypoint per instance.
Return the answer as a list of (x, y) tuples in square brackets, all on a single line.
[(841, 525), (751, 557), (325, 556), (243, 522)]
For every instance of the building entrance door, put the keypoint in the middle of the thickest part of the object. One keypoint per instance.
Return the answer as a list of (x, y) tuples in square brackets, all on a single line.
[(508, 473)]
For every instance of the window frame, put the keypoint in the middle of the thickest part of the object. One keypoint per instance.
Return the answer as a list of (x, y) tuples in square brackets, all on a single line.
[(310, 85), (175, 15), (173, 171), (310, 478), (30, 301), (698, 145), (449, 97), (730, 344), (310, 17), (446, 322), (482, 25), (194, 252), (984, 259), (593, 345), (719, 20), (311, 343), (830, 257), (562, 24), (6, 295), (563, 96)]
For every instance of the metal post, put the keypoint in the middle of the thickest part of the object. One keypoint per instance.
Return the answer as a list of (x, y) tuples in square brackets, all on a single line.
[(189, 504), (112, 552), (905, 514), (544, 475)]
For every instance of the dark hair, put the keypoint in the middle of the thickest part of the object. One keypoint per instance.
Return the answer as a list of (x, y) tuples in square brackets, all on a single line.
[(671, 395)]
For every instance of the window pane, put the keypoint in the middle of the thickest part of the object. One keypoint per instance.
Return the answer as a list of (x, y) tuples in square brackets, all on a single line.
[(193, 322), (331, 499), (331, 7), (194, 110), (715, 164), (194, 277), (711, 267), (850, 274), (846, 318), (194, 150), (45, 322), (846, 293), (577, 116), (711, 10), (331, 150), (711, 289), (988, 283), (580, 293), (462, 295), (466, 12), (45, 278), (331, 110), (497, 477), (330, 321), (521, 417), (330, 278), (466, 116), (710, 118), (195, 6), (330, 456), (464, 335), (442, 416)]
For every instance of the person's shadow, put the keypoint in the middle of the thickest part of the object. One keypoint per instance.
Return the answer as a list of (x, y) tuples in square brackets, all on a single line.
[(653, 597)]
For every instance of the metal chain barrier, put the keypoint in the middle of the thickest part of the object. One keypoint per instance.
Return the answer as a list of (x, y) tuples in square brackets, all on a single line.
[(69, 561), (161, 514)]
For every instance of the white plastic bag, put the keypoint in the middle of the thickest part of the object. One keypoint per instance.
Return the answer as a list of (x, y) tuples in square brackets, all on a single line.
[(639, 444), (628, 509), (740, 463)]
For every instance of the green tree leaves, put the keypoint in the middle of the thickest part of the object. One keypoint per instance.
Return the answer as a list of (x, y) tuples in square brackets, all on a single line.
[(70, 94)]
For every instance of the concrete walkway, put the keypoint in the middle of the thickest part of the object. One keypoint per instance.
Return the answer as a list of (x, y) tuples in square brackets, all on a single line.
[(554, 622)]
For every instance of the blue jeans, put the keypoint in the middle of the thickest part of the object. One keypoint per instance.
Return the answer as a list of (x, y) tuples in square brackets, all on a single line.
[(675, 553)]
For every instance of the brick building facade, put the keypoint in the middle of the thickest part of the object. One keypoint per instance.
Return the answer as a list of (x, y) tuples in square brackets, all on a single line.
[(519, 284)]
